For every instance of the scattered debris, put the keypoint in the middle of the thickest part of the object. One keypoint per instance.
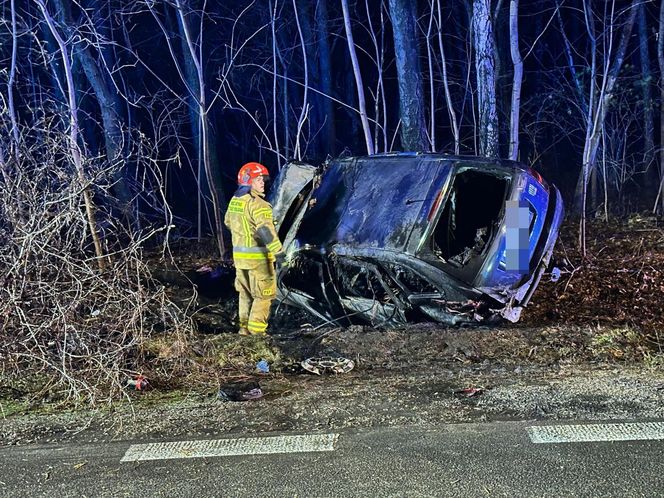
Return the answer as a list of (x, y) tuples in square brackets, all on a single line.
[(619, 283), (328, 364), (240, 391), (469, 392), (555, 274), (140, 383), (263, 367)]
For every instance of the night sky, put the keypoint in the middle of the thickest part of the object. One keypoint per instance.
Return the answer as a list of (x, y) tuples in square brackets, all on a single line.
[(275, 80)]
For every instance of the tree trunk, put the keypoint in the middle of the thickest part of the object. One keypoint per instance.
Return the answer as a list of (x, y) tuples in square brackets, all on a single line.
[(598, 114), (362, 108), (446, 85), (409, 76), (516, 82), (316, 101), (110, 108), (203, 193), (660, 60), (325, 62), (485, 67), (275, 109), (10, 86), (570, 63), (196, 58), (646, 79), (73, 136), (285, 102), (650, 175), (432, 92), (380, 105), (304, 111)]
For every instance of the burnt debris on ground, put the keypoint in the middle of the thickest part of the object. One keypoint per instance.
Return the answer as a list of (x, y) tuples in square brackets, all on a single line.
[(608, 305), (606, 309)]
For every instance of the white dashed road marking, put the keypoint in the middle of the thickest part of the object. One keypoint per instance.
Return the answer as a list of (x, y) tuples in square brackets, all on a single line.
[(230, 447), (596, 432)]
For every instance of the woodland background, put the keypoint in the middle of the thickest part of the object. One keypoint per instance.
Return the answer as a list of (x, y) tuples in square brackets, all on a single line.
[(123, 124)]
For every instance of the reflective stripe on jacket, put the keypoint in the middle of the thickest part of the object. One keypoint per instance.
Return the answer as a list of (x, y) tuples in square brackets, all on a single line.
[(244, 216)]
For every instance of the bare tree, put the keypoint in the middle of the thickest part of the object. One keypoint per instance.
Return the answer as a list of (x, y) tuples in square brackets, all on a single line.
[(358, 78), (275, 131), (516, 81), (304, 112), (646, 85), (660, 60), (98, 73), (196, 52), (326, 75), (194, 45), (411, 94), (10, 84), (432, 93), (599, 99), (380, 101), (485, 67), (446, 84), (74, 135)]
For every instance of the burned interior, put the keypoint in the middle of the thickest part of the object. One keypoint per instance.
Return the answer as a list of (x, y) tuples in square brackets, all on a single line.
[(470, 216), (396, 238)]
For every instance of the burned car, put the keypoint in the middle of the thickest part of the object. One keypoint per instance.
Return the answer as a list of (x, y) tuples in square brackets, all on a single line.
[(401, 237)]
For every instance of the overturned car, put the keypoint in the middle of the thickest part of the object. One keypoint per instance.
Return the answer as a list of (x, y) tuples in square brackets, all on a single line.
[(402, 237)]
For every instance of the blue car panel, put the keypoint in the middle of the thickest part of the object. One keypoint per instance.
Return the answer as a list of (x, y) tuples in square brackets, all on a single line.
[(392, 238), (364, 203)]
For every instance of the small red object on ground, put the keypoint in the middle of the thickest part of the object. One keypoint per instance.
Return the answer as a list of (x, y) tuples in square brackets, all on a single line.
[(469, 392), (140, 383)]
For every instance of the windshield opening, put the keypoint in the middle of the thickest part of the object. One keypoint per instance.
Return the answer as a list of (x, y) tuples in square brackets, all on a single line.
[(468, 220), (294, 210)]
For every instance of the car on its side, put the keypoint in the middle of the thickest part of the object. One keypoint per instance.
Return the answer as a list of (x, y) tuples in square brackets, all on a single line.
[(399, 237)]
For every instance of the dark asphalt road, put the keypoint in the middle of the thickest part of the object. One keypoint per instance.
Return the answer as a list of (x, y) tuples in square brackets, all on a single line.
[(496, 459)]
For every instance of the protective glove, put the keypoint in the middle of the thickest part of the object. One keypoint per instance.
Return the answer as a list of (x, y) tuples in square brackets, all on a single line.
[(280, 259)]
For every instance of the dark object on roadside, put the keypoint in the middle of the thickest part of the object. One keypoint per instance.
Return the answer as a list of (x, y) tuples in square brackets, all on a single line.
[(395, 238), (328, 364), (240, 391), (469, 392), (139, 383), (292, 369)]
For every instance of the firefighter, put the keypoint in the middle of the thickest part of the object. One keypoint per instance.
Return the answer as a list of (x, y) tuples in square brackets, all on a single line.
[(256, 247)]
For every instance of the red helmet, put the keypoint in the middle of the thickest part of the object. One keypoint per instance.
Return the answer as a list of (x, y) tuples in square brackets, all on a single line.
[(249, 172)]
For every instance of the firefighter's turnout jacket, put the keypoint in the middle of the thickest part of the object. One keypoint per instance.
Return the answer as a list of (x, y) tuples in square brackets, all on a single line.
[(255, 241)]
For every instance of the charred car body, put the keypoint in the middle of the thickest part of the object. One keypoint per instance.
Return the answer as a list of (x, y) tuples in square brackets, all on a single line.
[(401, 237)]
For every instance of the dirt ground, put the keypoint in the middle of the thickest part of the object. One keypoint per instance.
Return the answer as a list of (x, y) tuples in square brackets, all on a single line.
[(587, 349), (417, 376)]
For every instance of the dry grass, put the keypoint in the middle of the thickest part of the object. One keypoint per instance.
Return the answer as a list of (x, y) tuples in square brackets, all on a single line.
[(64, 321), (619, 285)]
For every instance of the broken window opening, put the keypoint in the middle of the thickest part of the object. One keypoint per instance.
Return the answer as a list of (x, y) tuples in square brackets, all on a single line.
[(294, 210), (469, 219)]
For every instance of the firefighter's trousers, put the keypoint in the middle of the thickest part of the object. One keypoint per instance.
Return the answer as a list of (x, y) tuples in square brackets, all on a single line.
[(257, 288)]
